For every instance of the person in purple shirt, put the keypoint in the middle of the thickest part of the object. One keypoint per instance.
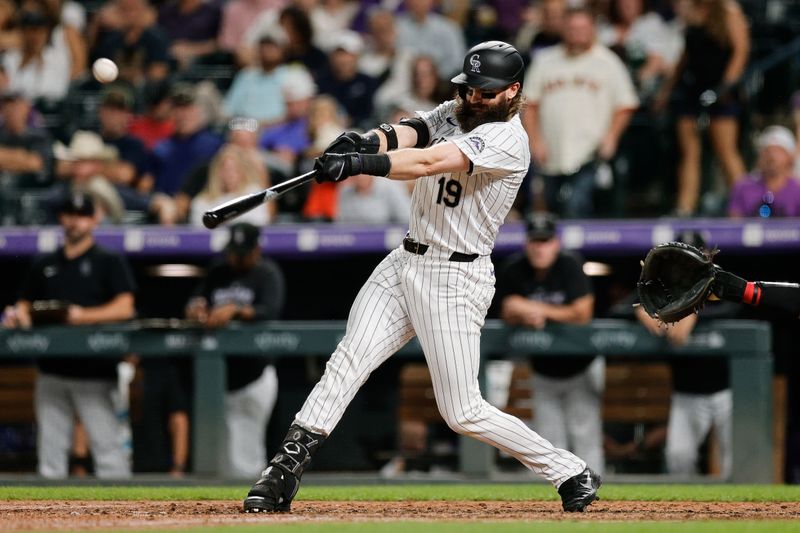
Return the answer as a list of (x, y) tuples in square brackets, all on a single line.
[(191, 144), (192, 27), (772, 190)]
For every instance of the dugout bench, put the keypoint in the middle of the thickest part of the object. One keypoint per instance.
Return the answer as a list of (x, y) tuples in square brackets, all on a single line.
[(745, 343)]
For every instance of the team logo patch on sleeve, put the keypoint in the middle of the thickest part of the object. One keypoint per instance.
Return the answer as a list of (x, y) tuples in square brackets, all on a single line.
[(476, 143)]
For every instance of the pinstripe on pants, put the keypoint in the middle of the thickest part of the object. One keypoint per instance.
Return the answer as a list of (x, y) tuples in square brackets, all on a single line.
[(444, 303)]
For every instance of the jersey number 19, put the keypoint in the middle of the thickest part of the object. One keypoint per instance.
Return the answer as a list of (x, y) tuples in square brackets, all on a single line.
[(449, 192)]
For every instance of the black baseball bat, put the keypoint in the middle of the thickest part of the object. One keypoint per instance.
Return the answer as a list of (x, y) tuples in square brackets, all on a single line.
[(243, 204)]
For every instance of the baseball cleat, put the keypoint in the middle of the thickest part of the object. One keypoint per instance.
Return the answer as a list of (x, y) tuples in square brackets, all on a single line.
[(580, 491), (272, 493)]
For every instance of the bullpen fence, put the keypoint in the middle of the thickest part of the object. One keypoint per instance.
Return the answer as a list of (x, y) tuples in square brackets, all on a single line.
[(745, 343)]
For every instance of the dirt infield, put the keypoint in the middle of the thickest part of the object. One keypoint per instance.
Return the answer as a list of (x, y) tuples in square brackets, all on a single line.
[(74, 515)]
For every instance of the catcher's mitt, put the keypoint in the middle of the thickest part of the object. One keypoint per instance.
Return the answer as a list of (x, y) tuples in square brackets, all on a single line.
[(676, 281)]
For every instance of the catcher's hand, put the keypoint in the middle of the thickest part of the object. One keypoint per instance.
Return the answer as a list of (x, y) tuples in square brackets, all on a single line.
[(676, 281)]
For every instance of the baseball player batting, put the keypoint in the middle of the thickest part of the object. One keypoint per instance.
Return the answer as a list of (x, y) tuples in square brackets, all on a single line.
[(469, 156)]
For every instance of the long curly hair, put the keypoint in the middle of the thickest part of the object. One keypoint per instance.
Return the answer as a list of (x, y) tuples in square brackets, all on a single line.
[(252, 174)]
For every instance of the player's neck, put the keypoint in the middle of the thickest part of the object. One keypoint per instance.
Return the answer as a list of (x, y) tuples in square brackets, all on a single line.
[(78, 248)]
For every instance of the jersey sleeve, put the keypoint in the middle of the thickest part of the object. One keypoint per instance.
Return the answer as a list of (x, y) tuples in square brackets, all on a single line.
[(436, 117), (120, 278), (577, 283), (494, 150), (532, 89)]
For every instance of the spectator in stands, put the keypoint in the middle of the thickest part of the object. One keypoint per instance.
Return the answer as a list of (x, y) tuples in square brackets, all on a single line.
[(191, 27), (284, 143), (98, 287), (543, 29), (352, 89), (191, 145), (425, 32), (424, 90), (66, 35), (326, 122), (232, 173), (713, 60), (115, 113), (579, 101), (82, 169), (639, 38), (701, 397), (366, 200), (329, 18), (300, 48), (37, 68), (546, 284), (257, 90), (247, 287), (125, 31), (238, 16), (773, 190), (242, 133), (26, 155), (156, 123), (9, 34), (382, 59)]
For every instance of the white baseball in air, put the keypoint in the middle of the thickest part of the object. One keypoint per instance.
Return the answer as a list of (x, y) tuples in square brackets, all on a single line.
[(105, 70)]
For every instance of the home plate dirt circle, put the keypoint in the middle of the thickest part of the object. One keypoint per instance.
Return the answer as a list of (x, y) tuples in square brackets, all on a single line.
[(88, 515)]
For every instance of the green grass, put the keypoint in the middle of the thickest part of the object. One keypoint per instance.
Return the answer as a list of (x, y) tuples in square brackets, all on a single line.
[(479, 492)]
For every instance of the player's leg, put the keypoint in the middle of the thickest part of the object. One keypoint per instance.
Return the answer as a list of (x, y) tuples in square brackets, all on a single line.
[(722, 407), (247, 413), (377, 327), (447, 304), (548, 410), (583, 403), (54, 425), (95, 408), (684, 433)]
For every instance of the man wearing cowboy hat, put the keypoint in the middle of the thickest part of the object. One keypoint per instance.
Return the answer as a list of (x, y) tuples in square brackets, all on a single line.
[(85, 156)]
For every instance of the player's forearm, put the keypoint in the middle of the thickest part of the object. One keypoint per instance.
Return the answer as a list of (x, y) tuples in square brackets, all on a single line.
[(406, 137), (782, 296), (119, 309), (413, 163), (575, 313)]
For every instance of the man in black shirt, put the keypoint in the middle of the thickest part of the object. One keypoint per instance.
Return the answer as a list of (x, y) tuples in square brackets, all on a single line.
[(26, 154), (546, 284), (245, 286), (701, 394), (98, 286)]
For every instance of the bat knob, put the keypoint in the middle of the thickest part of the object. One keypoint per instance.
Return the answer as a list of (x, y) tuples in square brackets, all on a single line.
[(211, 220)]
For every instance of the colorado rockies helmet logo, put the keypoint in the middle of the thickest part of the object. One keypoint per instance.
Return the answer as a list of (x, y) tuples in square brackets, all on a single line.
[(476, 64)]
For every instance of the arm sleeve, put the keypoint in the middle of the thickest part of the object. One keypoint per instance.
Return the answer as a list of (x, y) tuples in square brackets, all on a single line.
[(494, 150), (578, 284), (783, 296), (271, 294), (119, 276), (533, 82), (437, 116)]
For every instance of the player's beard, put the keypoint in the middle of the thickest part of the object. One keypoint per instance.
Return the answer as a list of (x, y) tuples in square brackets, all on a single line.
[(470, 116)]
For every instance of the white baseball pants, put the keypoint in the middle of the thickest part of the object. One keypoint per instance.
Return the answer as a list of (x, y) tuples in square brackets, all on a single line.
[(57, 401), (691, 416), (444, 303)]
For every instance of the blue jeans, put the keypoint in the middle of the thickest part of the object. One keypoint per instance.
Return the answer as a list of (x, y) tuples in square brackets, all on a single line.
[(570, 195)]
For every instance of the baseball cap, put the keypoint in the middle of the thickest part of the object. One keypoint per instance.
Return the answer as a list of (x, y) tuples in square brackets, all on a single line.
[(540, 227), (244, 238), (117, 97), (183, 94), (77, 203), (777, 136), (349, 41), (298, 84)]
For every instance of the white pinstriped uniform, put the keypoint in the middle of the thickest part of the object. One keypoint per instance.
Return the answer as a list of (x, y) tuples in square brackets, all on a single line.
[(443, 302)]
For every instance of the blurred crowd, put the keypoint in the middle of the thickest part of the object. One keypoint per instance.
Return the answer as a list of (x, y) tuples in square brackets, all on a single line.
[(219, 98)]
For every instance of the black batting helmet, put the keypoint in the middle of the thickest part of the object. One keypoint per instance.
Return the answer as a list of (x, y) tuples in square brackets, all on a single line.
[(491, 65)]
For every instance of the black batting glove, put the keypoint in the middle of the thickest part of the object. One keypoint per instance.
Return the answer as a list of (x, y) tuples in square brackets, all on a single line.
[(728, 286), (351, 142), (337, 167)]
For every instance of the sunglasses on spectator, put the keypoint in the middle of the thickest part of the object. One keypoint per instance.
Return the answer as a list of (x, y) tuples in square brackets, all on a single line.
[(467, 92)]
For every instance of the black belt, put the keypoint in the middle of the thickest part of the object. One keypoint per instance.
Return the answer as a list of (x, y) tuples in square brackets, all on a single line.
[(418, 248)]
